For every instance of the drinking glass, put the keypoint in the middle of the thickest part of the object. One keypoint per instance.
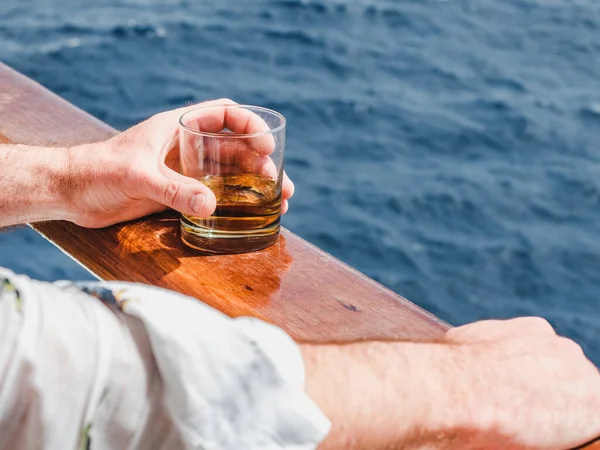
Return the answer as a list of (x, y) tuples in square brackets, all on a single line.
[(237, 151)]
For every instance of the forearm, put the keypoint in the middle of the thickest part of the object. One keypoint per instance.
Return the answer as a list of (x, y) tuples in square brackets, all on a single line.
[(387, 396), (33, 183)]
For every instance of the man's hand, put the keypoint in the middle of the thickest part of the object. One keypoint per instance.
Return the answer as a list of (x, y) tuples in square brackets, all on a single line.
[(505, 385), (136, 173), (522, 385)]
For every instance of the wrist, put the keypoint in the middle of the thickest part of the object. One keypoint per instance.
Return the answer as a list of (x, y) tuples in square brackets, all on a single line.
[(35, 185), (428, 384), (82, 173), (380, 394), (70, 175), (460, 412), (64, 180), (70, 182)]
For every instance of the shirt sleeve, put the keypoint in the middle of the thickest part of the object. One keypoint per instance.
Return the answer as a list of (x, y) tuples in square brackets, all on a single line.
[(75, 374), (230, 383), (144, 368)]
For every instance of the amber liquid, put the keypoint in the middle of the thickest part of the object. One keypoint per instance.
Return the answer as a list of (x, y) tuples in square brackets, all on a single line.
[(246, 218)]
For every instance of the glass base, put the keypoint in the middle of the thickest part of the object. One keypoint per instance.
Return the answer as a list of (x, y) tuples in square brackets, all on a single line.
[(217, 242)]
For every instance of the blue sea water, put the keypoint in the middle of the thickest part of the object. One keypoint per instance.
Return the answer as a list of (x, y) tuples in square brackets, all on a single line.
[(448, 149)]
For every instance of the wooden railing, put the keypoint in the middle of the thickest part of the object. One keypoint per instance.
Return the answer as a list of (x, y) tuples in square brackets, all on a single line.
[(305, 291)]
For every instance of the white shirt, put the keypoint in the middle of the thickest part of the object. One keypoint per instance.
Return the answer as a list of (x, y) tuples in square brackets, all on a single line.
[(146, 369)]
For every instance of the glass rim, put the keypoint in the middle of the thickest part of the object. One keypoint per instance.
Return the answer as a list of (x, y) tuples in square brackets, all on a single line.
[(238, 135)]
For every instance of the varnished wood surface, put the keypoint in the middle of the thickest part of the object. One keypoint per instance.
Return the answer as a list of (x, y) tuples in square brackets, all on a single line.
[(293, 284), (310, 294)]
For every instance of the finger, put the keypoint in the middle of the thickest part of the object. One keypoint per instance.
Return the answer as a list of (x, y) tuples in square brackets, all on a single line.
[(232, 153), (214, 118), (493, 330), (220, 155), (261, 165), (253, 163), (284, 206), (288, 187), (175, 114), (162, 128), (244, 121), (183, 194), (214, 169), (226, 151)]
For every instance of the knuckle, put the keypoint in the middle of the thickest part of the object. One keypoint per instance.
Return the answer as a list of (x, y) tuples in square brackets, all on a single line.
[(172, 192), (537, 324), (454, 334), (225, 100), (450, 334), (570, 346), (156, 118)]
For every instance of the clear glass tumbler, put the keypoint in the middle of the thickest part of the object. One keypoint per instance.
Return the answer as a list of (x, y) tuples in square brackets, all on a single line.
[(237, 151)]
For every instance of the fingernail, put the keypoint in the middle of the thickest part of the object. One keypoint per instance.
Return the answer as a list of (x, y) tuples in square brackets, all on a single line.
[(198, 202)]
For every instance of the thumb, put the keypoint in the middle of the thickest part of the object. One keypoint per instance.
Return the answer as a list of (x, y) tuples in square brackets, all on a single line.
[(183, 194)]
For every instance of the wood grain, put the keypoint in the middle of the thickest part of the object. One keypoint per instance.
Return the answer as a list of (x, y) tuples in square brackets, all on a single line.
[(307, 292)]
